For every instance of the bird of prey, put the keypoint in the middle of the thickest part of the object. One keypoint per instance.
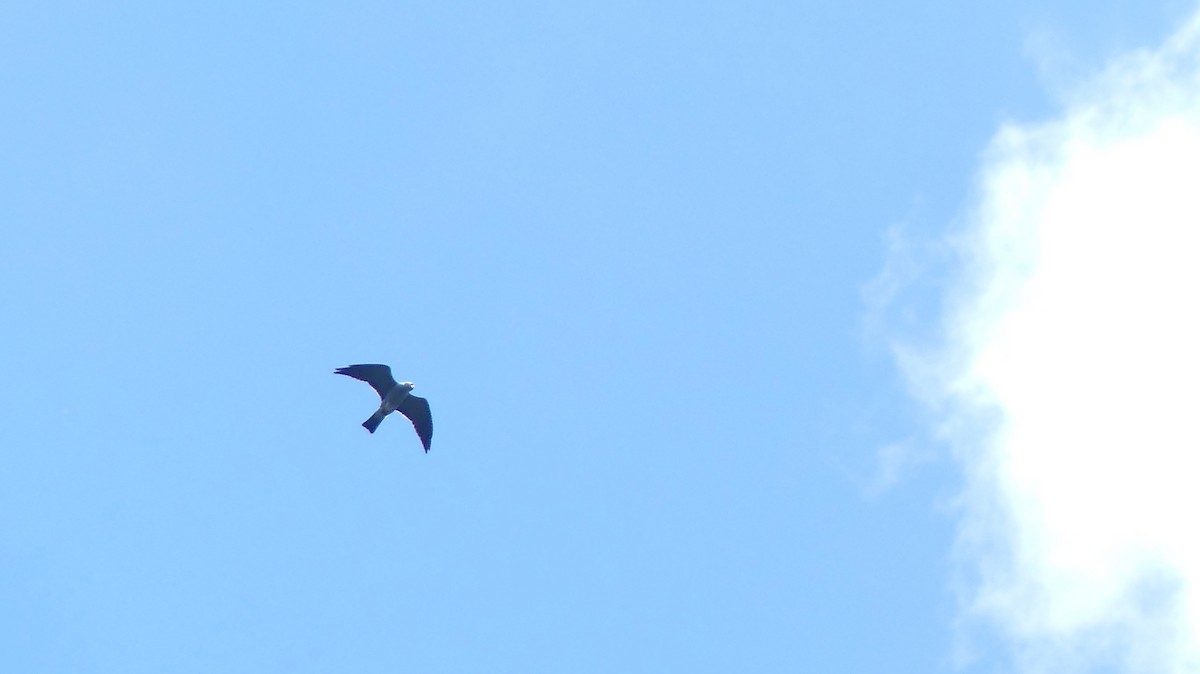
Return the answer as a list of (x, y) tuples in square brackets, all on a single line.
[(393, 397)]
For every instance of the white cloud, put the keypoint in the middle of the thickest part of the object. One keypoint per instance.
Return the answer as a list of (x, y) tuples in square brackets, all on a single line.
[(1068, 381)]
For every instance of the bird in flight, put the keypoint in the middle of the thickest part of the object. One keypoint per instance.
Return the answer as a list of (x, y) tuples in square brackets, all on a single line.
[(393, 397)]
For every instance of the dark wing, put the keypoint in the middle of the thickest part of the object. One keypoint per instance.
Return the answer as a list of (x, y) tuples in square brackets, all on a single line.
[(378, 376), (417, 411)]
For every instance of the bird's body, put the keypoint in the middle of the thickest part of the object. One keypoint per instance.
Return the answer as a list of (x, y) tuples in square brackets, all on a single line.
[(393, 397)]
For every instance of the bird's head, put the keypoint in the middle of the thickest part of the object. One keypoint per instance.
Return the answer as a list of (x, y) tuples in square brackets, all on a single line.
[(407, 385)]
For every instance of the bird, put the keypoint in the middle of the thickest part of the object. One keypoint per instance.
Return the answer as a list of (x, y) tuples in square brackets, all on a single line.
[(393, 397)]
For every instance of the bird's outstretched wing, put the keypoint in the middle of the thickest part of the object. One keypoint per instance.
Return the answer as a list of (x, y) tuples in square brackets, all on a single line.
[(417, 411), (378, 376)]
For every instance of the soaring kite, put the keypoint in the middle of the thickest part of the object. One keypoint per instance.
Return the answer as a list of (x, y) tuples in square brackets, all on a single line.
[(393, 397)]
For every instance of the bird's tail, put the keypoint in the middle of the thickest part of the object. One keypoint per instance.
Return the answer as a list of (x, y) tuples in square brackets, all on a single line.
[(373, 423)]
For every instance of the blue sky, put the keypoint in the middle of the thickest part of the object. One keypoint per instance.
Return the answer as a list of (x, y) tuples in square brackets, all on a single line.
[(626, 251)]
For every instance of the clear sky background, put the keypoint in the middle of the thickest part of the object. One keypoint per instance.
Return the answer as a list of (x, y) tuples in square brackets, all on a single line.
[(696, 292)]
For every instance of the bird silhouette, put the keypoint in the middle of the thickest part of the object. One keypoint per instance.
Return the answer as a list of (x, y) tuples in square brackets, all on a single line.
[(393, 397)]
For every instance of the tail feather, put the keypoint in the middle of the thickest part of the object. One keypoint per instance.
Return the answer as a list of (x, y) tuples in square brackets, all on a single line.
[(373, 423)]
